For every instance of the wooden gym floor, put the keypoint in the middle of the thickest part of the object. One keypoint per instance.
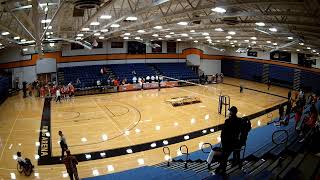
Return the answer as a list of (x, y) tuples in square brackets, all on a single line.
[(123, 119)]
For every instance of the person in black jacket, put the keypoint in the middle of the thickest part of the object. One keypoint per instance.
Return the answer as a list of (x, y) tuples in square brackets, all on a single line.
[(229, 138)]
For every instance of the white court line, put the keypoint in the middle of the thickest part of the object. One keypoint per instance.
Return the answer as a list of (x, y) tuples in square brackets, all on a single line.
[(10, 133)]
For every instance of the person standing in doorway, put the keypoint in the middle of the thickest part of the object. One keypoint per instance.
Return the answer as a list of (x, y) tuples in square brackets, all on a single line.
[(71, 163), (63, 144)]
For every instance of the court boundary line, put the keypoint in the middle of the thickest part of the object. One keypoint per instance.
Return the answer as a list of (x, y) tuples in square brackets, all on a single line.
[(95, 155), (256, 90)]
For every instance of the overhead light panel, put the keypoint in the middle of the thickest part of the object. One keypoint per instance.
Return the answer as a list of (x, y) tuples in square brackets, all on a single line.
[(231, 32), (260, 24), (25, 49), (228, 37), (253, 38), (125, 37), (301, 44), (97, 34), (275, 44), (115, 25), (78, 38), (219, 10), (127, 34), (49, 27), (253, 42), (160, 38), (268, 42), (218, 29), (45, 21), (5, 33), (157, 27), (104, 30), (167, 36), (290, 37), (155, 35), (205, 34), (131, 18), (308, 47), (105, 17), (298, 49), (95, 23), (101, 37), (207, 37), (141, 31), (85, 29), (182, 23), (273, 29), (192, 31), (195, 41), (80, 35), (178, 39), (16, 38), (184, 34), (51, 44), (137, 37), (171, 33), (246, 40), (23, 40)]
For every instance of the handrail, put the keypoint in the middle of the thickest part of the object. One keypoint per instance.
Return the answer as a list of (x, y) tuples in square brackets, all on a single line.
[(281, 142), (202, 147), (186, 153), (167, 154)]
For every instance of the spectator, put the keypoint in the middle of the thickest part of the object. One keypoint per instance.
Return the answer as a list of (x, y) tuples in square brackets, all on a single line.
[(152, 78), (78, 82), (148, 79), (309, 122), (297, 114), (58, 95), (289, 95), (281, 111), (134, 73), (71, 165), (63, 144), (229, 138), (134, 79), (269, 84)]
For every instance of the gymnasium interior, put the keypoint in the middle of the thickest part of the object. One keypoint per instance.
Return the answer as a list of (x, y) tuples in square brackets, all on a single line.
[(147, 89)]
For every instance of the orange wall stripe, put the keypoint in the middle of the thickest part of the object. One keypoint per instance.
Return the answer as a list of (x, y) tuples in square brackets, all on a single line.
[(66, 59)]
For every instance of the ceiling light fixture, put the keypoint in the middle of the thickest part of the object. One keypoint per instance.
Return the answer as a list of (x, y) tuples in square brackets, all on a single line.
[(115, 25), (192, 31), (205, 34), (275, 44), (195, 41), (80, 35), (126, 34), (137, 37), (141, 31), (207, 37), (253, 42), (96, 34), (5, 33), (178, 39), (125, 37), (246, 40), (308, 47), (260, 24), (43, 21), (273, 29), (105, 17), (184, 34), (85, 29), (101, 37), (182, 23), (131, 18), (228, 37), (290, 37), (298, 49), (167, 36), (219, 10), (231, 32), (301, 44), (94, 23), (16, 38), (104, 30), (218, 29), (157, 27), (155, 35), (160, 38), (253, 38), (171, 33)]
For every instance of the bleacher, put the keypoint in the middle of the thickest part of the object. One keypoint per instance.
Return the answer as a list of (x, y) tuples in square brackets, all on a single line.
[(124, 71), (88, 75), (4, 87), (177, 71)]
